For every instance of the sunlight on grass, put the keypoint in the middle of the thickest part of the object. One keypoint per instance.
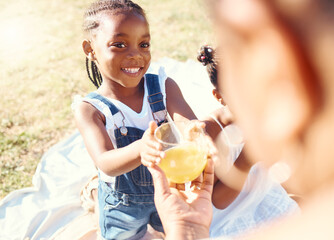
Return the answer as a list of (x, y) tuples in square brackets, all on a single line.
[(43, 67), (15, 38), (20, 34)]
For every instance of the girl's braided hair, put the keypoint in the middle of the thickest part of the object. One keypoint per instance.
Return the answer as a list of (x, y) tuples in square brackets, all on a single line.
[(206, 55), (92, 22)]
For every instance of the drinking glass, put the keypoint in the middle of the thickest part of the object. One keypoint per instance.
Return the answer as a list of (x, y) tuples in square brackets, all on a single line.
[(185, 150)]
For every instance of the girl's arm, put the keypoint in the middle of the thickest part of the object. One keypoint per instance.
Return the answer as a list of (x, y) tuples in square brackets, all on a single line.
[(113, 162), (177, 106), (224, 194), (211, 126)]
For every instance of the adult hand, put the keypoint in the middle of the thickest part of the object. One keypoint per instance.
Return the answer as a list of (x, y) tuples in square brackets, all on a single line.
[(185, 214)]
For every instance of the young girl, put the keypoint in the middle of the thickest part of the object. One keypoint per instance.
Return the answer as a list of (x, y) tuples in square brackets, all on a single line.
[(219, 125), (113, 119)]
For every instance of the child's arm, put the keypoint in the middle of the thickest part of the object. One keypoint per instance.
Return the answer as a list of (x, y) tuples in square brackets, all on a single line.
[(222, 115), (177, 106), (113, 162), (227, 184)]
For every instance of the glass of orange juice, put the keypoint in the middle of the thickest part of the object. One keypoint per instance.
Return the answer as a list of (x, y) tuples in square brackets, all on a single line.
[(185, 150)]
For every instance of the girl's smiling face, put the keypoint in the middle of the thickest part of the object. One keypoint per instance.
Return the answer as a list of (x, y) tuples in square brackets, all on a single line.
[(121, 47)]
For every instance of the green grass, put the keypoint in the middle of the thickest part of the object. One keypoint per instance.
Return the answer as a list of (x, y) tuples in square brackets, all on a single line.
[(42, 68)]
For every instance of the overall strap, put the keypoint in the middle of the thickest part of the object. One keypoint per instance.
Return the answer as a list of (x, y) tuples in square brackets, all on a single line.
[(111, 106), (155, 97)]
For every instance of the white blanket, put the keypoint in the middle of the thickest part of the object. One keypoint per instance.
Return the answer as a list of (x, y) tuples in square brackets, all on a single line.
[(53, 201)]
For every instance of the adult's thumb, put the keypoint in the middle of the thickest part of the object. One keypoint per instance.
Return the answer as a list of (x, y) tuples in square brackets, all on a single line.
[(161, 186)]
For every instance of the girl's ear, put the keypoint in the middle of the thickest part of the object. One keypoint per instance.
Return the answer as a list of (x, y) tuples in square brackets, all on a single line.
[(218, 96), (88, 50)]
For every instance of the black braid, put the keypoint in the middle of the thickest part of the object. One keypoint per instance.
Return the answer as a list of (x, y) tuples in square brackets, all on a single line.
[(95, 77), (96, 74), (90, 17), (92, 22), (206, 56)]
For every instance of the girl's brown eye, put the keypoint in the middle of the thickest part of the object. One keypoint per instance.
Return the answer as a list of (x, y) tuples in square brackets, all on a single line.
[(118, 45), (145, 45)]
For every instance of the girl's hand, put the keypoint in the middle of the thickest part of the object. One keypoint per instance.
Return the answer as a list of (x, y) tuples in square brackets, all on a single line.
[(193, 130), (150, 151)]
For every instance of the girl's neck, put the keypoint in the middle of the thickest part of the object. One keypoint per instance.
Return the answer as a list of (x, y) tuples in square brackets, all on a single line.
[(116, 91), (132, 97)]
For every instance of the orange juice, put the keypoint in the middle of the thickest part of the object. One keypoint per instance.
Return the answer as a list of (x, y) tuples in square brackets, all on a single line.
[(183, 163)]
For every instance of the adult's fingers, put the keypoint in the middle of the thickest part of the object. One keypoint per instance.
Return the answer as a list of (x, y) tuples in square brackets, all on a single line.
[(208, 176), (161, 186), (197, 183)]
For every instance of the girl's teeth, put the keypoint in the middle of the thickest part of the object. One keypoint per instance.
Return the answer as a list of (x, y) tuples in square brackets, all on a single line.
[(131, 70)]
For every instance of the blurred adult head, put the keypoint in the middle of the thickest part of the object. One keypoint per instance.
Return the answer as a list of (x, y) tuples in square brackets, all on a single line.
[(278, 82)]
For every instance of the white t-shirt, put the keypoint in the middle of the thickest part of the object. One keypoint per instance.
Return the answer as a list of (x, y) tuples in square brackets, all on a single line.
[(128, 117)]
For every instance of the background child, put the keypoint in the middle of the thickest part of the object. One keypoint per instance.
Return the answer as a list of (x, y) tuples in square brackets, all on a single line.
[(242, 201), (220, 127), (112, 120)]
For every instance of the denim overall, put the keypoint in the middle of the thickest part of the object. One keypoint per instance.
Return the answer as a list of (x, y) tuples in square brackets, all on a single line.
[(126, 206)]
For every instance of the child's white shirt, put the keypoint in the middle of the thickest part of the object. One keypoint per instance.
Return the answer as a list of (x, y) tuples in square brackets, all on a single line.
[(128, 117)]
